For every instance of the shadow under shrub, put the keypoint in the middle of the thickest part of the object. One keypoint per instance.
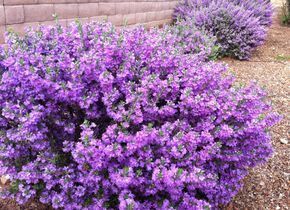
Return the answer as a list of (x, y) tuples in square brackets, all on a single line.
[(92, 118), (239, 25)]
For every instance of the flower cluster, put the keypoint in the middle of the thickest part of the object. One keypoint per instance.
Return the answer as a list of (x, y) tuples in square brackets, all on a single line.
[(239, 25), (94, 118), (2, 57), (191, 40)]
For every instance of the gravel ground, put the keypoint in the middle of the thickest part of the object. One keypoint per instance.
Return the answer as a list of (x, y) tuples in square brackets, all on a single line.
[(268, 186)]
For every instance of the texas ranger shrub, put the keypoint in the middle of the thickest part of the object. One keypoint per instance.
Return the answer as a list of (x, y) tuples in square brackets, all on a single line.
[(92, 118)]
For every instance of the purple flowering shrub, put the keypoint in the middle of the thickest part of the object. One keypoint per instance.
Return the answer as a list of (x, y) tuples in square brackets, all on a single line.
[(2, 57), (191, 40), (240, 26), (261, 9), (91, 118)]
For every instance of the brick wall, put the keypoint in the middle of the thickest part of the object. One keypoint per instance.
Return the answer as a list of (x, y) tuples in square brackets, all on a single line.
[(18, 14)]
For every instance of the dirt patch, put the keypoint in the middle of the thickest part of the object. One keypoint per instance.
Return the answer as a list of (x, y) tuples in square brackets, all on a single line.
[(278, 3), (12, 205)]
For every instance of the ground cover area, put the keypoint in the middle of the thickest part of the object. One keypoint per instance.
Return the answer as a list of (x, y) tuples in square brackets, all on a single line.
[(266, 187)]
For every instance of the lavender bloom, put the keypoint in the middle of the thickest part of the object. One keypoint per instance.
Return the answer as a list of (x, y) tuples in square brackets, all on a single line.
[(2, 58), (192, 40), (240, 26), (93, 118)]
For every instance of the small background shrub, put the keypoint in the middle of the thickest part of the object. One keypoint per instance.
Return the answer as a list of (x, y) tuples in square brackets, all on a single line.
[(239, 26)]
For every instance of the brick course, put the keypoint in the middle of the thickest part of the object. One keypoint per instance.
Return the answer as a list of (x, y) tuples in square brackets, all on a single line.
[(18, 14)]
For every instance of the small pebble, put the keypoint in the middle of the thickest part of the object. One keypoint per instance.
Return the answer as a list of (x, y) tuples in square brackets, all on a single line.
[(284, 141), (4, 180)]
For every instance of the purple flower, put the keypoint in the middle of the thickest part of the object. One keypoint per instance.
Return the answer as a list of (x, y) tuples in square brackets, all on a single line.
[(239, 26), (95, 118)]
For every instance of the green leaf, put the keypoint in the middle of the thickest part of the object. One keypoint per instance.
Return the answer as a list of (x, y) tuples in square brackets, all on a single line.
[(14, 187)]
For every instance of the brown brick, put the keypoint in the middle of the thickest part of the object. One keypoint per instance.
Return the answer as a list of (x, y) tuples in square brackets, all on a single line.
[(130, 19), (107, 8), (2, 31), (19, 2), (2, 15), (157, 6), (49, 23), (116, 11), (168, 14), (151, 16), (140, 17), (99, 18), (18, 28), (83, 1), (157, 23), (117, 20), (163, 15), (14, 14), (45, 2), (172, 5), (60, 22), (123, 8), (41, 12), (145, 7), (166, 6), (66, 11), (88, 10)]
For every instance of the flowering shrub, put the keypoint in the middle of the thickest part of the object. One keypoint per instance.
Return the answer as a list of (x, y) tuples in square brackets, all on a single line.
[(191, 40), (2, 57), (239, 25), (261, 9), (92, 118)]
